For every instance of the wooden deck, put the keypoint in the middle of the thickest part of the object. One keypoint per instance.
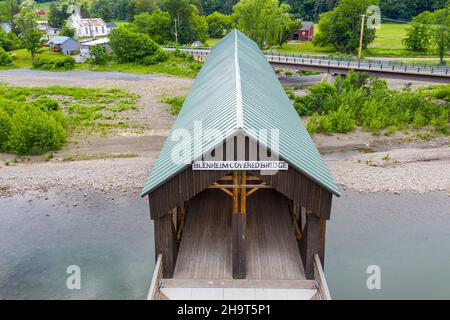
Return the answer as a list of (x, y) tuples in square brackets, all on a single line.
[(205, 249)]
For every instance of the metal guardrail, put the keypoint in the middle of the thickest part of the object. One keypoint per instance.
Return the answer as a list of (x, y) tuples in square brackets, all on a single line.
[(340, 62)]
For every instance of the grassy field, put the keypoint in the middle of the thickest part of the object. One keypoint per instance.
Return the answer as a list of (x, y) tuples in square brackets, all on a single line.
[(173, 66), (22, 58), (388, 43)]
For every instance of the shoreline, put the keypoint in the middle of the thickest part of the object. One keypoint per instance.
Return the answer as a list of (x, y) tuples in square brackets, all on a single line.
[(395, 171)]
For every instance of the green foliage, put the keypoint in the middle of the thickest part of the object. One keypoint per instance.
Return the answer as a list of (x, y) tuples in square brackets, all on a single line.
[(440, 122), (57, 15), (26, 23), (357, 100), (341, 26), (191, 26), (34, 131), (319, 123), (159, 56), (175, 104), (156, 25), (99, 55), (5, 129), (5, 59), (129, 46), (252, 17), (68, 31), (342, 120), (219, 24), (38, 119), (418, 37), (67, 63)]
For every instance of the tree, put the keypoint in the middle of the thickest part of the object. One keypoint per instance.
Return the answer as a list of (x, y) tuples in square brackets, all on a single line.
[(341, 26), (140, 6), (441, 32), (222, 6), (68, 31), (190, 25), (129, 46), (57, 15), (263, 20), (102, 9), (418, 36), (26, 24), (218, 24), (156, 25), (99, 54)]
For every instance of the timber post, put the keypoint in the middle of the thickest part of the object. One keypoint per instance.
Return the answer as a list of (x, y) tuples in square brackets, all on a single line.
[(166, 243), (238, 225)]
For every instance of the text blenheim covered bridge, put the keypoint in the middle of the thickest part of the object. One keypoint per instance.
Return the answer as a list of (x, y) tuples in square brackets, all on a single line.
[(239, 194)]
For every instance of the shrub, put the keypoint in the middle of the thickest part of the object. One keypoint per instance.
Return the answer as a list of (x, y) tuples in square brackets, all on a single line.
[(46, 104), (343, 121), (66, 63), (99, 55), (419, 120), (175, 104), (34, 131), (319, 123), (440, 123), (158, 56), (5, 128), (129, 46), (5, 58)]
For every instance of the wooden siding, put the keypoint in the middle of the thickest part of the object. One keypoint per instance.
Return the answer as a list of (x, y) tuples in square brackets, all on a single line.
[(291, 183)]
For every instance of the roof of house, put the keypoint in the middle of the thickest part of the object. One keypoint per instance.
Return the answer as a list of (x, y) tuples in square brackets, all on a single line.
[(58, 39), (237, 91), (92, 22), (111, 25), (95, 41), (306, 25)]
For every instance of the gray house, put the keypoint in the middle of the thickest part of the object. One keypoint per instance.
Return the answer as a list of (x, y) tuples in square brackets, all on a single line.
[(64, 44)]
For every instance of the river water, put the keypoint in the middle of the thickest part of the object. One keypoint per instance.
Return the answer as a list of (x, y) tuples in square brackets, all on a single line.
[(111, 239)]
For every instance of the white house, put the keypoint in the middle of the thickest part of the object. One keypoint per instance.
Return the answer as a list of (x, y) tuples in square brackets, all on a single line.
[(85, 47), (92, 27)]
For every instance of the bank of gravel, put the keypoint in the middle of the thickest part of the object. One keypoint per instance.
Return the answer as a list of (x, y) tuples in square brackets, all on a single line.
[(412, 170)]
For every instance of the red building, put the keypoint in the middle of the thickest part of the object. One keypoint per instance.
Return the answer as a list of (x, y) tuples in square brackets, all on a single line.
[(40, 12), (305, 33)]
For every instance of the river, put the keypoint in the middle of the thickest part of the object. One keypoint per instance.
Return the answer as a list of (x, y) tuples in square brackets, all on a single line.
[(110, 238)]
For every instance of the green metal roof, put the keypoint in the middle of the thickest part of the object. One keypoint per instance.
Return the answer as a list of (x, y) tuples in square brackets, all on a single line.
[(237, 91)]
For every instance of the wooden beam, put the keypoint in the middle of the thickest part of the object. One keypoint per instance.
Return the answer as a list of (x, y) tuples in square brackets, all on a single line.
[(166, 243), (243, 193), (216, 185), (310, 243), (238, 247)]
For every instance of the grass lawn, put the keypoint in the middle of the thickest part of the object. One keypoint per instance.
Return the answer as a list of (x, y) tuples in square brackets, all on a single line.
[(388, 43), (173, 66), (22, 58)]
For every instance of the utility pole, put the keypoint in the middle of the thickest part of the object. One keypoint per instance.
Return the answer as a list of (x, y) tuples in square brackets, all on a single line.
[(361, 36), (176, 30)]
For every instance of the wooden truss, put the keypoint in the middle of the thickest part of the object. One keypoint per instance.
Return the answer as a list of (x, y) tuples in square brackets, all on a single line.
[(239, 186)]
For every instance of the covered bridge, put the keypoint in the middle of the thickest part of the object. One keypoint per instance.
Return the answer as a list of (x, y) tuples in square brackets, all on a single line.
[(239, 194)]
